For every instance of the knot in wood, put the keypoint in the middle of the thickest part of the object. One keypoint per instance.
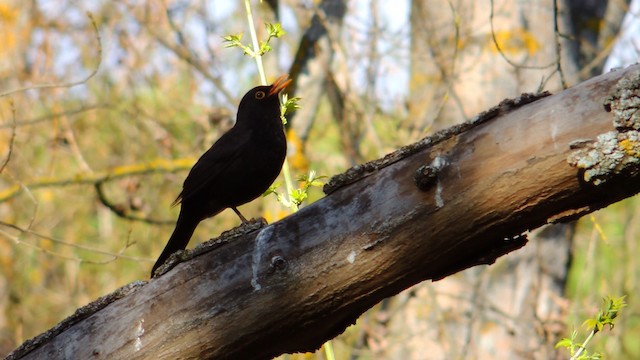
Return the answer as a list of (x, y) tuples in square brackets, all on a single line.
[(278, 263), (425, 176)]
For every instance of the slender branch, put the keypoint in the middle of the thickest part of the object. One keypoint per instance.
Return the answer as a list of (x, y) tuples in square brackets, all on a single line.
[(69, 84), (68, 244), (556, 31), (186, 55), (12, 139), (583, 346), (256, 46), (121, 211), (47, 117), (156, 166), (504, 56)]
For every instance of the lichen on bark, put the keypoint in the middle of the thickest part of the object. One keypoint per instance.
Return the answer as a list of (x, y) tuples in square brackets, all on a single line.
[(615, 152)]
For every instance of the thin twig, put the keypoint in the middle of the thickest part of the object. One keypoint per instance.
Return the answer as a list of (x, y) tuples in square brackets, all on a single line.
[(12, 139), (47, 117), (73, 145), (68, 84), (556, 31), (65, 243), (120, 212), (504, 56), (256, 44), (188, 56), (448, 78)]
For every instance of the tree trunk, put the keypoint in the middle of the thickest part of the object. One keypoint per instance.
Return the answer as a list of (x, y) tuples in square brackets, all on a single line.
[(468, 55), (460, 198)]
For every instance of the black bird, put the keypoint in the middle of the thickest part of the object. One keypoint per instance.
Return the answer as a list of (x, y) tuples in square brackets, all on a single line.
[(238, 168)]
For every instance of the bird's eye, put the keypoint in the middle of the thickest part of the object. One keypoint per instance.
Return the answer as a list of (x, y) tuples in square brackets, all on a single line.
[(260, 95)]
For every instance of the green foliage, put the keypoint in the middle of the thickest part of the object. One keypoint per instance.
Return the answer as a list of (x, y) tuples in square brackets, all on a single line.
[(288, 106), (297, 196), (606, 316), (273, 30)]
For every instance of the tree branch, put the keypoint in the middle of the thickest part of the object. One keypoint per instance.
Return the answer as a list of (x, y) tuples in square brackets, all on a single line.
[(156, 166), (459, 198)]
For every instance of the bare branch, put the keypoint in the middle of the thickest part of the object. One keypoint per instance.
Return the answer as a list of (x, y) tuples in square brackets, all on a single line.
[(113, 256), (69, 84), (155, 166), (13, 137), (123, 212)]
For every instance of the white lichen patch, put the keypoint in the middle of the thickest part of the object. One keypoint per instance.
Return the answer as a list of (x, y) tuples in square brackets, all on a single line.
[(611, 154), (615, 152)]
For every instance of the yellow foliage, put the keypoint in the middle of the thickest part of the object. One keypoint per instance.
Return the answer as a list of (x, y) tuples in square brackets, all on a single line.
[(297, 158), (46, 244), (47, 195), (8, 16), (515, 41), (271, 217)]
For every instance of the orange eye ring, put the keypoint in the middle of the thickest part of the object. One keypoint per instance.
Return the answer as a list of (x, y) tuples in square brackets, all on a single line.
[(260, 95)]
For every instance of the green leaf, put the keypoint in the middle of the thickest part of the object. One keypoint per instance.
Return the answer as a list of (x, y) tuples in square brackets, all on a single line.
[(271, 189), (298, 196), (287, 106), (233, 40), (275, 30), (565, 343), (264, 48), (590, 323), (290, 105), (311, 180)]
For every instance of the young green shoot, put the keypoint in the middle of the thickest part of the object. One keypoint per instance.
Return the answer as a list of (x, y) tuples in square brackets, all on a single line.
[(297, 196), (606, 316), (274, 31), (256, 50), (288, 106)]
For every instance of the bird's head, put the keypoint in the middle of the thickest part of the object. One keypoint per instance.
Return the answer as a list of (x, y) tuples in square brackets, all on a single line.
[(262, 101)]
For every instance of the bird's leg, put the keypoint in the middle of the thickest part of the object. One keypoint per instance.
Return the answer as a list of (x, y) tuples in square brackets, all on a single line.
[(244, 220)]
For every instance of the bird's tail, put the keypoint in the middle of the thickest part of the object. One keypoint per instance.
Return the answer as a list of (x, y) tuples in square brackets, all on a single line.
[(185, 227)]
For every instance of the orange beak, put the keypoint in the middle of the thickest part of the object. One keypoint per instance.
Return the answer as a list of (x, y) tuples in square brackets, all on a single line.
[(279, 85)]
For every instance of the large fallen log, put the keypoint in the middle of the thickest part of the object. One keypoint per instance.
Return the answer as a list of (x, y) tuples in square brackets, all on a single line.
[(462, 197)]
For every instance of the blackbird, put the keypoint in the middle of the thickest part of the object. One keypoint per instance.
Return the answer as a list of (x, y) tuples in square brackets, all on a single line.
[(238, 168)]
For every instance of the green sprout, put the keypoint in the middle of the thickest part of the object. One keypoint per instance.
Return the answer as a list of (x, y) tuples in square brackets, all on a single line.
[(605, 316), (299, 195), (274, 31), (288, 106)]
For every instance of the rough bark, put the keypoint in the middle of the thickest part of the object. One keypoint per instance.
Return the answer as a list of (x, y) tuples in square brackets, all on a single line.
[(460, 198)]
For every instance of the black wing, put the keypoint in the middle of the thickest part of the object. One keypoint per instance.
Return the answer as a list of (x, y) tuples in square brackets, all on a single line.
[(214, 163)]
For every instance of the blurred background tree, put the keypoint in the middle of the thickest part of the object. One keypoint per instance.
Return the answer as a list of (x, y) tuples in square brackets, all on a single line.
[(90, 169)]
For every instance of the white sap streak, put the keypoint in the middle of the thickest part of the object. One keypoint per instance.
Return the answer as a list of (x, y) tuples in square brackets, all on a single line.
[(351, 258), (438, 163), (139, 332), (261, 241), (439, 200)]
